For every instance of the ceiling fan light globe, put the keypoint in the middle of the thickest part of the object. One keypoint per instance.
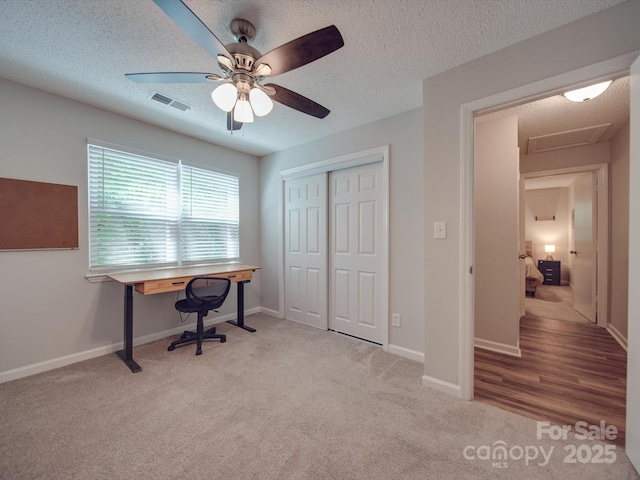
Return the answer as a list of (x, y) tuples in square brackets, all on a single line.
[(225, 96), (260, 102), (242, 112)]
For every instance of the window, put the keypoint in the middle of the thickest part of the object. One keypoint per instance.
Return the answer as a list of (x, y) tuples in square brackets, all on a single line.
[(149, 212)]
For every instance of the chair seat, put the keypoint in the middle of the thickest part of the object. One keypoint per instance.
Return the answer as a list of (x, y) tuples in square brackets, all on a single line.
[(189, 305)]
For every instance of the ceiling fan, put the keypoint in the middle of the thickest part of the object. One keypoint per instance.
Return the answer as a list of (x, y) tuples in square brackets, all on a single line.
[(241, 93)]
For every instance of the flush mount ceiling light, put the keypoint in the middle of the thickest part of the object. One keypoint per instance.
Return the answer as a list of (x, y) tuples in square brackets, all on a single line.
[(241, 93), (587, 93)]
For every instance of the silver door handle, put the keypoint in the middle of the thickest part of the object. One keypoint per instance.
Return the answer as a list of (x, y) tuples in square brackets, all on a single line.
[(522, 256), (573, 252)]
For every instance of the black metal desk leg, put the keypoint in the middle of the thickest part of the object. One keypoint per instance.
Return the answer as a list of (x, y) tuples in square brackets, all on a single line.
[(240, 322), (126, 355)]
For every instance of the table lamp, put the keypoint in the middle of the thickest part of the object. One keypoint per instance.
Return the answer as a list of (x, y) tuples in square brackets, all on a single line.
[(549, 249)]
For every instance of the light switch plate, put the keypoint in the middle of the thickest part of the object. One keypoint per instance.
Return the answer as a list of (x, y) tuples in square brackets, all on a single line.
[(440, 230)]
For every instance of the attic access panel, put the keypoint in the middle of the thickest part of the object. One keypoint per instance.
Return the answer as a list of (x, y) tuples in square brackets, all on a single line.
[(571, 138)]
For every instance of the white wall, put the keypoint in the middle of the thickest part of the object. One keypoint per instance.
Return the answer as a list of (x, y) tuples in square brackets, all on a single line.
[(603, 36), (403, 133), (49, 310)]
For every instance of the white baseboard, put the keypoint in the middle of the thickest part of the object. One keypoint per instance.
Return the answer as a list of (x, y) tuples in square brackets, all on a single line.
[(40, 367), (441, 386), (271, 313), (497, 347), (54, 363), (615, 333), (407, 353)]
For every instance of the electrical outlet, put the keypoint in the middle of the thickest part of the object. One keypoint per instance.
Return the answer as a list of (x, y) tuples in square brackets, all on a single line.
[(395, 319)]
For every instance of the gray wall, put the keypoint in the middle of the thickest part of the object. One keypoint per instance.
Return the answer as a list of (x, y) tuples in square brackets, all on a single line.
[(49, 310), (619, 230), (496, 272), (603, 36), (403, 133)]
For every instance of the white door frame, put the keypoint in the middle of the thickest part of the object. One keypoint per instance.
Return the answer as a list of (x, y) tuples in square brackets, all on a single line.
[(377, 154), (602, 241), (527, 93)]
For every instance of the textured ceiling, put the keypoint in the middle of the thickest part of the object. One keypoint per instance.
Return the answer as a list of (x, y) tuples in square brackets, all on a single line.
[(82, 48), (556, 114)]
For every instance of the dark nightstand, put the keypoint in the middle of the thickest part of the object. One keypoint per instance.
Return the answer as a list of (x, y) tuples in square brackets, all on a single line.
[(551, 271)]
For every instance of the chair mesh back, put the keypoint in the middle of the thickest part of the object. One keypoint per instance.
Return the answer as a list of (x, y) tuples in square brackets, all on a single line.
[(210, 290)]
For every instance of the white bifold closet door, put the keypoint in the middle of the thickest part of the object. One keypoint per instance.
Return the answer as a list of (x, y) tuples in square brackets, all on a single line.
[(306, 250), (356, 242)]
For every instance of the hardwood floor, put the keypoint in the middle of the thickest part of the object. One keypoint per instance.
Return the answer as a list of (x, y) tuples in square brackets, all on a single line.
[(568, 372)]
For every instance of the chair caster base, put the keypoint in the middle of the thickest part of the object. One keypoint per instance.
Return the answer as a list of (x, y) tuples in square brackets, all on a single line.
[(185, 340)]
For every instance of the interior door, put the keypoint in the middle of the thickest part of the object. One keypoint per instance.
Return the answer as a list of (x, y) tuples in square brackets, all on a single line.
[(583, 273), (356, 232), (306, 250)]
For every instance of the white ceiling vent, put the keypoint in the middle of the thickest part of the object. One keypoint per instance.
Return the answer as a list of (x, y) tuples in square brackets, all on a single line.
[(571, 138), (171, 102)]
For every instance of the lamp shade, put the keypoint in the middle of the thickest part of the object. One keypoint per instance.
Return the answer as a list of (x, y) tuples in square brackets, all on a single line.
[(242, 112), (587, 93), (260, 102), (225, 96), (549, 249)]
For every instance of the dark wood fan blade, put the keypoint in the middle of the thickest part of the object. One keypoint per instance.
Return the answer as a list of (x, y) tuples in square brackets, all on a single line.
[(231, 123), (303, 50), (297, 101), (193, 26), (169, 77)]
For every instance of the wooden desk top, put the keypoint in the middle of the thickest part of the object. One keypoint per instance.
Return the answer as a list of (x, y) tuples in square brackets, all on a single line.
[(150, 282)]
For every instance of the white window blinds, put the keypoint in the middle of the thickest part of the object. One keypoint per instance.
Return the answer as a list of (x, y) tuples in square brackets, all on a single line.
[(150, 212), (210, 212)]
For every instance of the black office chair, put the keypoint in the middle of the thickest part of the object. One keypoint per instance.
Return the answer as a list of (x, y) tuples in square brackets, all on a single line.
[(203, 294)]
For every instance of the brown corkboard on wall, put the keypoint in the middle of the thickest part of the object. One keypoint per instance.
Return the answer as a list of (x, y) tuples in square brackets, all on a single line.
[(37, 215)]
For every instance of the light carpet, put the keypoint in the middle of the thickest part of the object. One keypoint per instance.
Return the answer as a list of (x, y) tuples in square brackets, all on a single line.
[(286, 402)]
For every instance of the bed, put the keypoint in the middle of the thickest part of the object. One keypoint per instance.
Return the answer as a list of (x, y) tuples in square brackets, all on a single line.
[(533, 276)]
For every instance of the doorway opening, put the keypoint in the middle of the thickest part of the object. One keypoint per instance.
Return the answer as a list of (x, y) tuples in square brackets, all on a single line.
[(516, 383), (567, 212)]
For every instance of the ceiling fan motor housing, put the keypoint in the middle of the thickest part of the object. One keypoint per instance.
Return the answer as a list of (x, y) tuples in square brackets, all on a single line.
[(244, 55)]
